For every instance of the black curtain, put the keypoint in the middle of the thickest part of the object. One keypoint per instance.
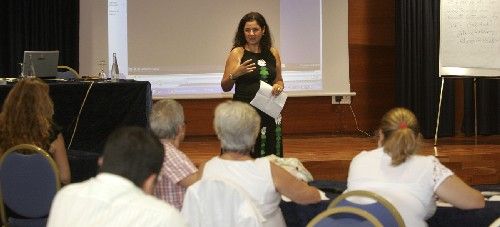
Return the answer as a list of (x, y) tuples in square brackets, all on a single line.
[(38, 25), (418, 82), (488, 106)]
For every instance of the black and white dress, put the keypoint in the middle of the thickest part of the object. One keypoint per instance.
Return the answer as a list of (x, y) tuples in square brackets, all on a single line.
[(269, 140)]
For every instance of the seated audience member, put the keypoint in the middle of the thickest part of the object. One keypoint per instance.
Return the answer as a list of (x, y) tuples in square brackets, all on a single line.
[(237, 125), (26, 118), (120, 195), (178, 172), (409, 181)]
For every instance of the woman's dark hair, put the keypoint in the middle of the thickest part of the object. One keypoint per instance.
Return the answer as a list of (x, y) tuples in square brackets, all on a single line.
[(239, 38)]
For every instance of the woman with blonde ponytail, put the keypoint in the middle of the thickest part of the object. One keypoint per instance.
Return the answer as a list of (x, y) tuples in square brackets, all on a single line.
[(409, 181), (399, 135)]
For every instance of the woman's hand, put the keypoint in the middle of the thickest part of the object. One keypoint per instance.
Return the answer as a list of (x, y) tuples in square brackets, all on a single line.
[(244, 68), (235, 68), (277, 89)]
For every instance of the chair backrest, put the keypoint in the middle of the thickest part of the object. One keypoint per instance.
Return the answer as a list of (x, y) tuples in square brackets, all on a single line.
[(218, 202), (344, 216), (495, 223), (378, 206), (29, 180)]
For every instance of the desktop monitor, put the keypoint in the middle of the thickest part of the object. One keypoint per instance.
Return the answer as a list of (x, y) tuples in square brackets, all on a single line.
[(44, 63)]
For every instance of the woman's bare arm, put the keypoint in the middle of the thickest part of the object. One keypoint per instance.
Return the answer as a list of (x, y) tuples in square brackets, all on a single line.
[(456, 192), (61, 158), (289, 186), (278, 84), (234, 69)]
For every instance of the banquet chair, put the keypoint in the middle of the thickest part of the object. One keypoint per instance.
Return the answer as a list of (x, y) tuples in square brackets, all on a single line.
[(219, 203), (371, 202), (495, 223), (344, 216), (29, 180)]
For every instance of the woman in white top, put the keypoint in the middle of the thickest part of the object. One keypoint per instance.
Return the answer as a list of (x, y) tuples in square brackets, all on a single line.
[(237, 126), (409, 181)]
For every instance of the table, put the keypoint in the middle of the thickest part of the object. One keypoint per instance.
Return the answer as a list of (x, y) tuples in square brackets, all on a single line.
[(107, 107), (299, 215)]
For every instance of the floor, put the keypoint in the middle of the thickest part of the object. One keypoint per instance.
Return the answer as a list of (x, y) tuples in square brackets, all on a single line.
[(475, 159)]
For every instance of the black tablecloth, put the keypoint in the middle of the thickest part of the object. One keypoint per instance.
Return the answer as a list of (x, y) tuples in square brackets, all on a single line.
[(107, 107), (450, 216), (299, 215)]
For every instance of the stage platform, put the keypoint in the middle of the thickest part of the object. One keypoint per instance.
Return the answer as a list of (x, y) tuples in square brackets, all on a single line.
[(327, 157)]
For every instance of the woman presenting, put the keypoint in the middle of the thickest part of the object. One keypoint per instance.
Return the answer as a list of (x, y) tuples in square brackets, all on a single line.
[(251, 60)]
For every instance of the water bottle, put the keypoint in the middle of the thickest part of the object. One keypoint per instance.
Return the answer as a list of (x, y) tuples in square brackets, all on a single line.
[(115, 72), (21, 75), (28, 70)]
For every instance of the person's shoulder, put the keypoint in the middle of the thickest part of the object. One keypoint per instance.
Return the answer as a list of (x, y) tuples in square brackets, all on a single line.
[(429, 160), (274, 51), (265, 159), (430, 167), (369, 154), (73, 190), (171, 150), (365, 157), (216, 160), (212, 161), (237, 51), (276, 54), (263, 162), (153, 206), (177, 163)]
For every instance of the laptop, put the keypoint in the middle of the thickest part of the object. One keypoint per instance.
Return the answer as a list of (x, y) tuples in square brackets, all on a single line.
[(44, 63)]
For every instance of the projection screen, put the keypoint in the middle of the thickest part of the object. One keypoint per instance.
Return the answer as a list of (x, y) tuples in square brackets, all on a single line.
[(181, 46)]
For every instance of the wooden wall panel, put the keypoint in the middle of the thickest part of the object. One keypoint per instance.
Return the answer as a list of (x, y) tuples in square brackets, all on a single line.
[(372, 22), (372, 69), (198, 115)]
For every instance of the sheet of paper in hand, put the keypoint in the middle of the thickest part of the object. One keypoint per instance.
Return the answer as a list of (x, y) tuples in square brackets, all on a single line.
[(268, 103)]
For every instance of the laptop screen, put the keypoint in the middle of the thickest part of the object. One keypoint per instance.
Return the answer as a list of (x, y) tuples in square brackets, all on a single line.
[(44, 63)]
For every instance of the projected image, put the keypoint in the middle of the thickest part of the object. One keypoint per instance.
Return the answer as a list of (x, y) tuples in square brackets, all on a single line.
[(181, 46)]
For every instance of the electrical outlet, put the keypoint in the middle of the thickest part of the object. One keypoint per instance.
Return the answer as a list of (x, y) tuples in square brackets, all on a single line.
[(341, 99)]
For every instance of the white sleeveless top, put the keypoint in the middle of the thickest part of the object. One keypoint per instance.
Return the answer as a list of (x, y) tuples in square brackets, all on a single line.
[(254, 176), (409, 186)]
